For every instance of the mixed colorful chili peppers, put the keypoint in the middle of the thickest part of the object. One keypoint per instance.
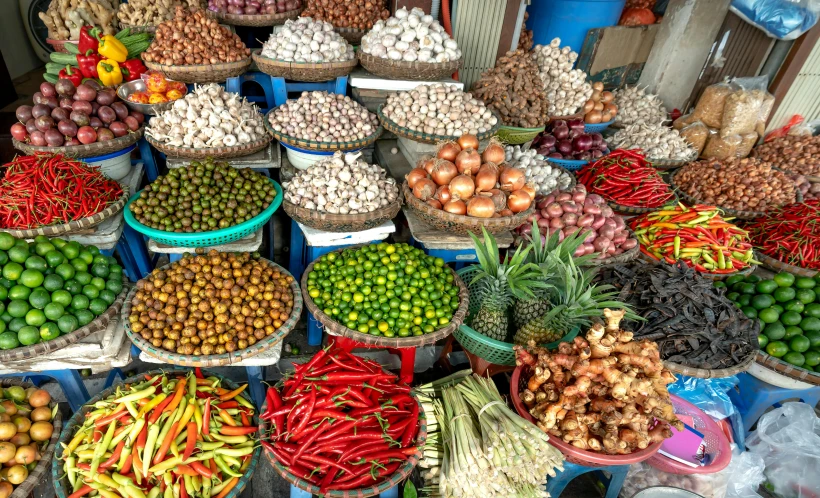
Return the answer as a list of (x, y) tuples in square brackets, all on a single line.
[(790, 234), (696, 235), (626, 178), (48, 189), (341, 422)]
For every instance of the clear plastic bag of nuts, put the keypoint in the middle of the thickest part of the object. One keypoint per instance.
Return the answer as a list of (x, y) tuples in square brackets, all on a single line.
[(741, 112), (747, 143), (711, 105), (684, 121), (696, 134), (718, 147)]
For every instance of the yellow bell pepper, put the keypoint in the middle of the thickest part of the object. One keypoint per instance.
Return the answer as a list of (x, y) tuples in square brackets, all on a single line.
[(113, 49), (109, 72)]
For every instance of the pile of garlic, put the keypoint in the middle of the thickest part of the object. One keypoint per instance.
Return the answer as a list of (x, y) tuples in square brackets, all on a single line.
[(656, 141), (208, 117), (439, 109), (306, 40), (410, 36), (544, 176), (566, 88), (341, 184), (635, 105)]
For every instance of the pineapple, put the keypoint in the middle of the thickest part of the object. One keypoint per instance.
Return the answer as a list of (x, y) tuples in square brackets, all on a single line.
[(573, 302), (498, 283)]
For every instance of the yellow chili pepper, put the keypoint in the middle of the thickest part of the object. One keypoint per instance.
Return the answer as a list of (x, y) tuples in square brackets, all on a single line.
[(110, 74), (111, 48)]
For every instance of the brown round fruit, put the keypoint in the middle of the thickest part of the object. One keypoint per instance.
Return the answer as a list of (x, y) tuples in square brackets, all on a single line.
[(5, 489), (7, 430), (5, 417), (17, 474), (9, 407), (7, 451), (41, 414), (39, 398), (41, 431), (23, 424), (20, 439), (25, 455)]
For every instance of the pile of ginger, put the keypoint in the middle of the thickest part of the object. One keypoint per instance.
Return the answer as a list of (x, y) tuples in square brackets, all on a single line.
[(603, 393)]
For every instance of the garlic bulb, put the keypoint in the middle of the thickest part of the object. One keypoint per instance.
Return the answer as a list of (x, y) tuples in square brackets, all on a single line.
[(306, 40), (439, 109), (635, 105), (566, 88), (544, 176), (410, 32), (324, 117), (656, 141)]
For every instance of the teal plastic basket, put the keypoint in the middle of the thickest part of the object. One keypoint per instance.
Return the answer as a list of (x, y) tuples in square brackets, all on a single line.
[(210, 238), (491, 350)]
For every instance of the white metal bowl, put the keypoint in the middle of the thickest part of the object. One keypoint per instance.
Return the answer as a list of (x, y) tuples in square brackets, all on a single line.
[(135, 86)]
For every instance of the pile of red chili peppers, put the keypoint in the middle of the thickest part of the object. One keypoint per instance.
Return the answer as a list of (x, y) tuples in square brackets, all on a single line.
[(790, 234), (50, 189), (341, 422), (626, 178)]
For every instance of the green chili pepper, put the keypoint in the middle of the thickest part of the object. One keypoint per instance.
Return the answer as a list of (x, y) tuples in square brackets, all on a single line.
[(148, 452), (137, 395), (101, 448), (224, 467)]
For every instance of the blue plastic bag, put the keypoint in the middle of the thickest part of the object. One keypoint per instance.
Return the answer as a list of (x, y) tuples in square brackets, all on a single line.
[(781, 19)]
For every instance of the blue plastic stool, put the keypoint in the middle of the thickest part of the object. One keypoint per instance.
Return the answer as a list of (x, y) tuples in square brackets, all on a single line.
[(613, 484), (239, 84), (135, 245), (301, 493), (148, 158), (281, 88), (461, 257), (70, 382), (753, 398)]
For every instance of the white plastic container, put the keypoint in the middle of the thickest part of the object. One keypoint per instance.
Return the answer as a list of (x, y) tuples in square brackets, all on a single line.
[(774, 378), (665, 492), (304, 159), (115, 165)]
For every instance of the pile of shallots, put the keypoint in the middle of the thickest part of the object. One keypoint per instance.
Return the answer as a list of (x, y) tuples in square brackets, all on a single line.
[(461, 181)]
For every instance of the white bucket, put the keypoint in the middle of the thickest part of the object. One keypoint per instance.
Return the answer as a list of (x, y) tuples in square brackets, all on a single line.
[(774, 378), (115, 165), (304, 159), (665, 492)]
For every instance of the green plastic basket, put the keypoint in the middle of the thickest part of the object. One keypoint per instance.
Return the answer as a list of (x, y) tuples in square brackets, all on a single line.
[(491, 350), (516, 136), (210, 238)]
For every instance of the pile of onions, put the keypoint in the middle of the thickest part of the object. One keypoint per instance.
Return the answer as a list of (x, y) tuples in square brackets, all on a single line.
[(600, 107), (462, 181), (569, 212), (567, 140)]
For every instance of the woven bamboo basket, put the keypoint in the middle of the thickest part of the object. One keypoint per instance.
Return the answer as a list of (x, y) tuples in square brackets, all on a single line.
[(215, 360), (402, 70), (426, 138), (787, 369), (202, 73), (321, 146), (329, 222), (352, 35), (38, 473), (624, 257), (256, 20), (669, 164), (83, 151), (62, 487), (391, 481), (59, 45), (456, 223), (712, 276), (634, 211), (100, 323), (74, 226), (303, 71), (777, 266), (216, 152), (148, 28), (335, 328), (512, 135)]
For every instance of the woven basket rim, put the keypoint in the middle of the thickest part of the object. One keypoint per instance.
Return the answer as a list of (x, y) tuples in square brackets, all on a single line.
[(718, 373), (793, 372), (85, 151), (629, 210), (257, 54), (315, 146), (624, 257), (777, 265), (448, 67), (416, 136), (256, 19), (195, 67), (566, 162), (337, 329), (24, 489), (388, 212), (59, 478), (194, 236), (202, 73), (99, 323), (671, 163), (216, 153), (224, 359), (75, 225), (518, 129), (143, 28)]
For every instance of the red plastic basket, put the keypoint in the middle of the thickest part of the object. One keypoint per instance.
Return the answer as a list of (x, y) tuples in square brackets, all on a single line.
[(712, 433), (573, 454)]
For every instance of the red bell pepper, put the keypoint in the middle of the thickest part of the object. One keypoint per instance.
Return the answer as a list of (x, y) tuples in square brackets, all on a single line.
[(88, 64), (72, 74), (87, 40), (132, 69)]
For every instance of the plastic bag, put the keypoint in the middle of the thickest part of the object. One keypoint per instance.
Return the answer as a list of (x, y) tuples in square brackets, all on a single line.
[(781, 19), (741, 112), (788, 440), (684, 121), (709, 108), (718, 147), (747, 143), (745, 475), (784, 130), (642, 476), (696, 134), (805, 129)]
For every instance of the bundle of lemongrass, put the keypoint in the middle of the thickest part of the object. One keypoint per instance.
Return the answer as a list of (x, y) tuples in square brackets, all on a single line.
[(477, 447)]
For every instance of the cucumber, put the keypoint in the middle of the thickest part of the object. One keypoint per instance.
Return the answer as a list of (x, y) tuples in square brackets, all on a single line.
[(122, 34), (136, 49), (54, 68), (51, 78), (72, 48), (64, 59)]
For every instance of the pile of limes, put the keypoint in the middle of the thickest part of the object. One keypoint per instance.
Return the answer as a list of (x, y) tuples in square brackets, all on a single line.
[(385, 289), (788, 308), (51, 287)]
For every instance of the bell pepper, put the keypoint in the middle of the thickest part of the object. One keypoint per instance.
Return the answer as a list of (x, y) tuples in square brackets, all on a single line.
[(112, 48), (88, 40), (109, 72), (88, 64), (132, 69), (71, 74)]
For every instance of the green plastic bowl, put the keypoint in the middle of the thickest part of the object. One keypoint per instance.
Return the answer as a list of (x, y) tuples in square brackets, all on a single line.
[(512, 135), (210, 238)]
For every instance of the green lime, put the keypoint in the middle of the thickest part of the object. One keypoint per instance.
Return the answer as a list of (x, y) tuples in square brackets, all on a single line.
[(749, 311), (762, 340), (39, 298), (115, 268), (792, 332), (778, 308), (747, 288), (58, 243), (109, 297), (71, 250), (4, 282), (718, 284), (795, 358), (73, 287), (114, 286), (8, 340), (28, 335), (753, 279), (78, 264), (53, 282), (784, 294), (768, 315), (83, 277), (54, 311), (42, 248), (806, 296), (784, 279), (17, 323), (54, 259), (18, 308), (766, 286), (733, 280), (67, 324), (91, 292), (36, 263), (19, 292), (799, 344), (794, 305), (61, 297), (32, 278), (84, 317), (86, 256), (814, 337), (791, 318), (98, 307), (4, 293), (100, 270), (5, 317), (774, 331), (6, 241), (49, 331), (12, 270), (732, 296), (98, 282), (762, 301), (810, 324), (79, 302), (777, 348), (744, 300), (35, 317), (4, 258), (65, 270), (18, 254), (812, 309), (812, 358), (804, 283)]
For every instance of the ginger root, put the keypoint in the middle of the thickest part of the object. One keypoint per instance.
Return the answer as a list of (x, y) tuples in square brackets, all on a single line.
[(65, 18), (602, 392)]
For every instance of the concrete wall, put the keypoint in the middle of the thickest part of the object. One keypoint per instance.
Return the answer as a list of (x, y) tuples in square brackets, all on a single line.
[(14, 43)]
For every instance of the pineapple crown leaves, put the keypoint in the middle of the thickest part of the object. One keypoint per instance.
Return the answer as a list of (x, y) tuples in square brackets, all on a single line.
[(517, 276), (552, 251)]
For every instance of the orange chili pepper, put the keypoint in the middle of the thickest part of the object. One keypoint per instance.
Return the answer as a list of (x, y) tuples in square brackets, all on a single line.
[(227, 489), (227, 419), (160, 456), (232, 394)]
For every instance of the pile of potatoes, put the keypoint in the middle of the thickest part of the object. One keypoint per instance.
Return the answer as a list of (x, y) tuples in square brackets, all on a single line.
[(25, 428)]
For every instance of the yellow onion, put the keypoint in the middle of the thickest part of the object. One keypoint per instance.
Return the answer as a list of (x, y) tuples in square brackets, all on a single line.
[(462, 188), (486, 178), (494, 153), (436, 204), (429, 164), (443, 194), (480, 207), (511, 179), (530, 189), (443, 172), (518, 201), (468, 141), (499, 198), (505, 212), (424, 189), (414, 176), (448, 151), (468, 161), (455, 207)]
